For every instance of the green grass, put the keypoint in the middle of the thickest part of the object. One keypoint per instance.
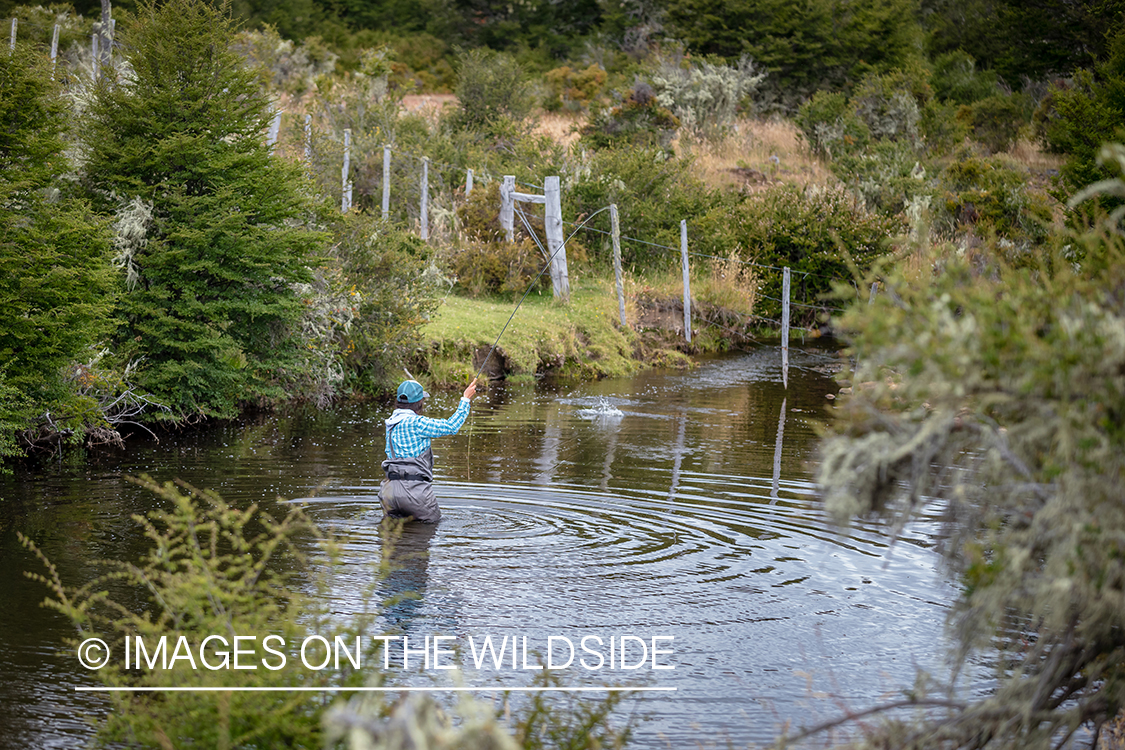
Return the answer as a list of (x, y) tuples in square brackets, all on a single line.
[(582, 339)]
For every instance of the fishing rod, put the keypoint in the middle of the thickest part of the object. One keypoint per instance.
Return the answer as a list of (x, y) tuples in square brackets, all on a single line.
[(534, 281)]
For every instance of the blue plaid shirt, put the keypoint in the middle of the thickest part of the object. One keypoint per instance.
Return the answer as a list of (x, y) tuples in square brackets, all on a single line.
[(412, 432)]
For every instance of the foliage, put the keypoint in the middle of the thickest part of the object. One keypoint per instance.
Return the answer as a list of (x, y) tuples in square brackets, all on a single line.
[(886, 176), (704, 96), (995, 121), (573, 89), (388, 284), (1112, 154), (987, 196), (640, 120), (998, 393), (805, 47), (213, 311), (819, 235), (282, 64), (56, 284), (653, 194), (830, 126), (491, 90), (890, 104), (956, 79), (211, 570), (1077, 119)]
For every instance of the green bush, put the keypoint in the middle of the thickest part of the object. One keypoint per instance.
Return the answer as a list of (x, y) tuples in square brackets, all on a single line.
[(995, 121), (830, 126), (956, 79), (491, 90), (886, 175), (987, 196), (704, 96), (640, 121), (890, 104), (817, 234)]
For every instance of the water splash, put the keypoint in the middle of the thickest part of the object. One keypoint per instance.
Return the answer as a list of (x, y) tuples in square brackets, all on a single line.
[(602, 410)]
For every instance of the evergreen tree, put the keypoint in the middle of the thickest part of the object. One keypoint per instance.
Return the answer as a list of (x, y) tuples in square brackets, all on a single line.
[(211, 305), (55, 277), (805, 46)]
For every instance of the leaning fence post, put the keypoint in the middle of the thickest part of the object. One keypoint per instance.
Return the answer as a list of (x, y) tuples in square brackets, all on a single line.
[(615, 233), (425, 208), (687, 280), (507, 207), (552, 221), (785, 327), (386, 182), (54, 50), (346, 200), (468, 182)]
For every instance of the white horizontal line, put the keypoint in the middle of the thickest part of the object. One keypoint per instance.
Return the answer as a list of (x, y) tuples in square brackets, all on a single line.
[(370, 689)]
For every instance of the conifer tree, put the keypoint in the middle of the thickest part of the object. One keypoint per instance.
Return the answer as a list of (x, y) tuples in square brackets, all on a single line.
[(55, 277), (210, 304)]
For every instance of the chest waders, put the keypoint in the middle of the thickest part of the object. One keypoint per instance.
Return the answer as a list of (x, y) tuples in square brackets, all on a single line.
[(408, 490)]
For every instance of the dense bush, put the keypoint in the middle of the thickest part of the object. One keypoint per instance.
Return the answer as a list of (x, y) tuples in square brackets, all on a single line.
[(572, 89), (817, 234), (491, 90), (830, 126), (704, 96), (995, 121), (987, 196), (1078, 117), (640, 120), (956, 79), (885, 176)]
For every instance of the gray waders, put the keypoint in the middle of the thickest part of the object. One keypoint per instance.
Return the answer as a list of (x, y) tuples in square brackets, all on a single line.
[(408, 490)]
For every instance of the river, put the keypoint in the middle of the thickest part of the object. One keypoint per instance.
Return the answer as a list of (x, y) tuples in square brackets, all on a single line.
[(676, 505)]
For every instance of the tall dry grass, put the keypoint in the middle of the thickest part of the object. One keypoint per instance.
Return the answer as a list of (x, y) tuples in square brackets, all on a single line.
[(755, 154)]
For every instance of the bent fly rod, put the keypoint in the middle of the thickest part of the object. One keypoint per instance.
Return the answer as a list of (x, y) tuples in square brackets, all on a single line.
[(534, 281)]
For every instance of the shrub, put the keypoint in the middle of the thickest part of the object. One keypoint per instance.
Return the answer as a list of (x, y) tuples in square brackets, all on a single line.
[(987, 196), (818, 234), (995, 121), (956, 79), (890, 104), (830, 126), (639, 121), (573, 89), (704, 96), (491, 90), (887, 175)]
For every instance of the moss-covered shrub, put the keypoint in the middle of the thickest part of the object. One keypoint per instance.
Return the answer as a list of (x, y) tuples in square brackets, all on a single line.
[(890, 104), (814, 233), (705, 96), (886, 175)]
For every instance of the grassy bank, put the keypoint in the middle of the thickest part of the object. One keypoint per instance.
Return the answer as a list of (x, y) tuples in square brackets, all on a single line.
[(583, 339)]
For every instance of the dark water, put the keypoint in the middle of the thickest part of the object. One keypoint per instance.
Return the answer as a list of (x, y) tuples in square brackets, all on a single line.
[(669, 504)]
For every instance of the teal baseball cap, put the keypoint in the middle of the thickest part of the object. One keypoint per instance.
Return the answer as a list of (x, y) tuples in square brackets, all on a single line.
[(411, 392)]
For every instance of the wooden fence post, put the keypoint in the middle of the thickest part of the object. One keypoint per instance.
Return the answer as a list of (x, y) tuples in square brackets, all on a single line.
[(687, 280), (54, 50), (424, 211), (468, 182), (552, 220), (386, 182), (785, 327), (96, 56), (615, 233), (507, 207), (105, 32), (12, 43), (275, 130), (346, 200), (874, 288), (308, 138)]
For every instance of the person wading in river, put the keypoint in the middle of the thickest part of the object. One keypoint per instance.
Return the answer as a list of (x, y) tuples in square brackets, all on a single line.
[(408, 490)]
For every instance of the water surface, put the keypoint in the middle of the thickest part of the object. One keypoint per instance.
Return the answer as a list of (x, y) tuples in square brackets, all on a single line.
[(669, 504)]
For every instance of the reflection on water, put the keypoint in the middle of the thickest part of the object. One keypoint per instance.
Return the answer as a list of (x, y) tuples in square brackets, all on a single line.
[(670, 504)]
